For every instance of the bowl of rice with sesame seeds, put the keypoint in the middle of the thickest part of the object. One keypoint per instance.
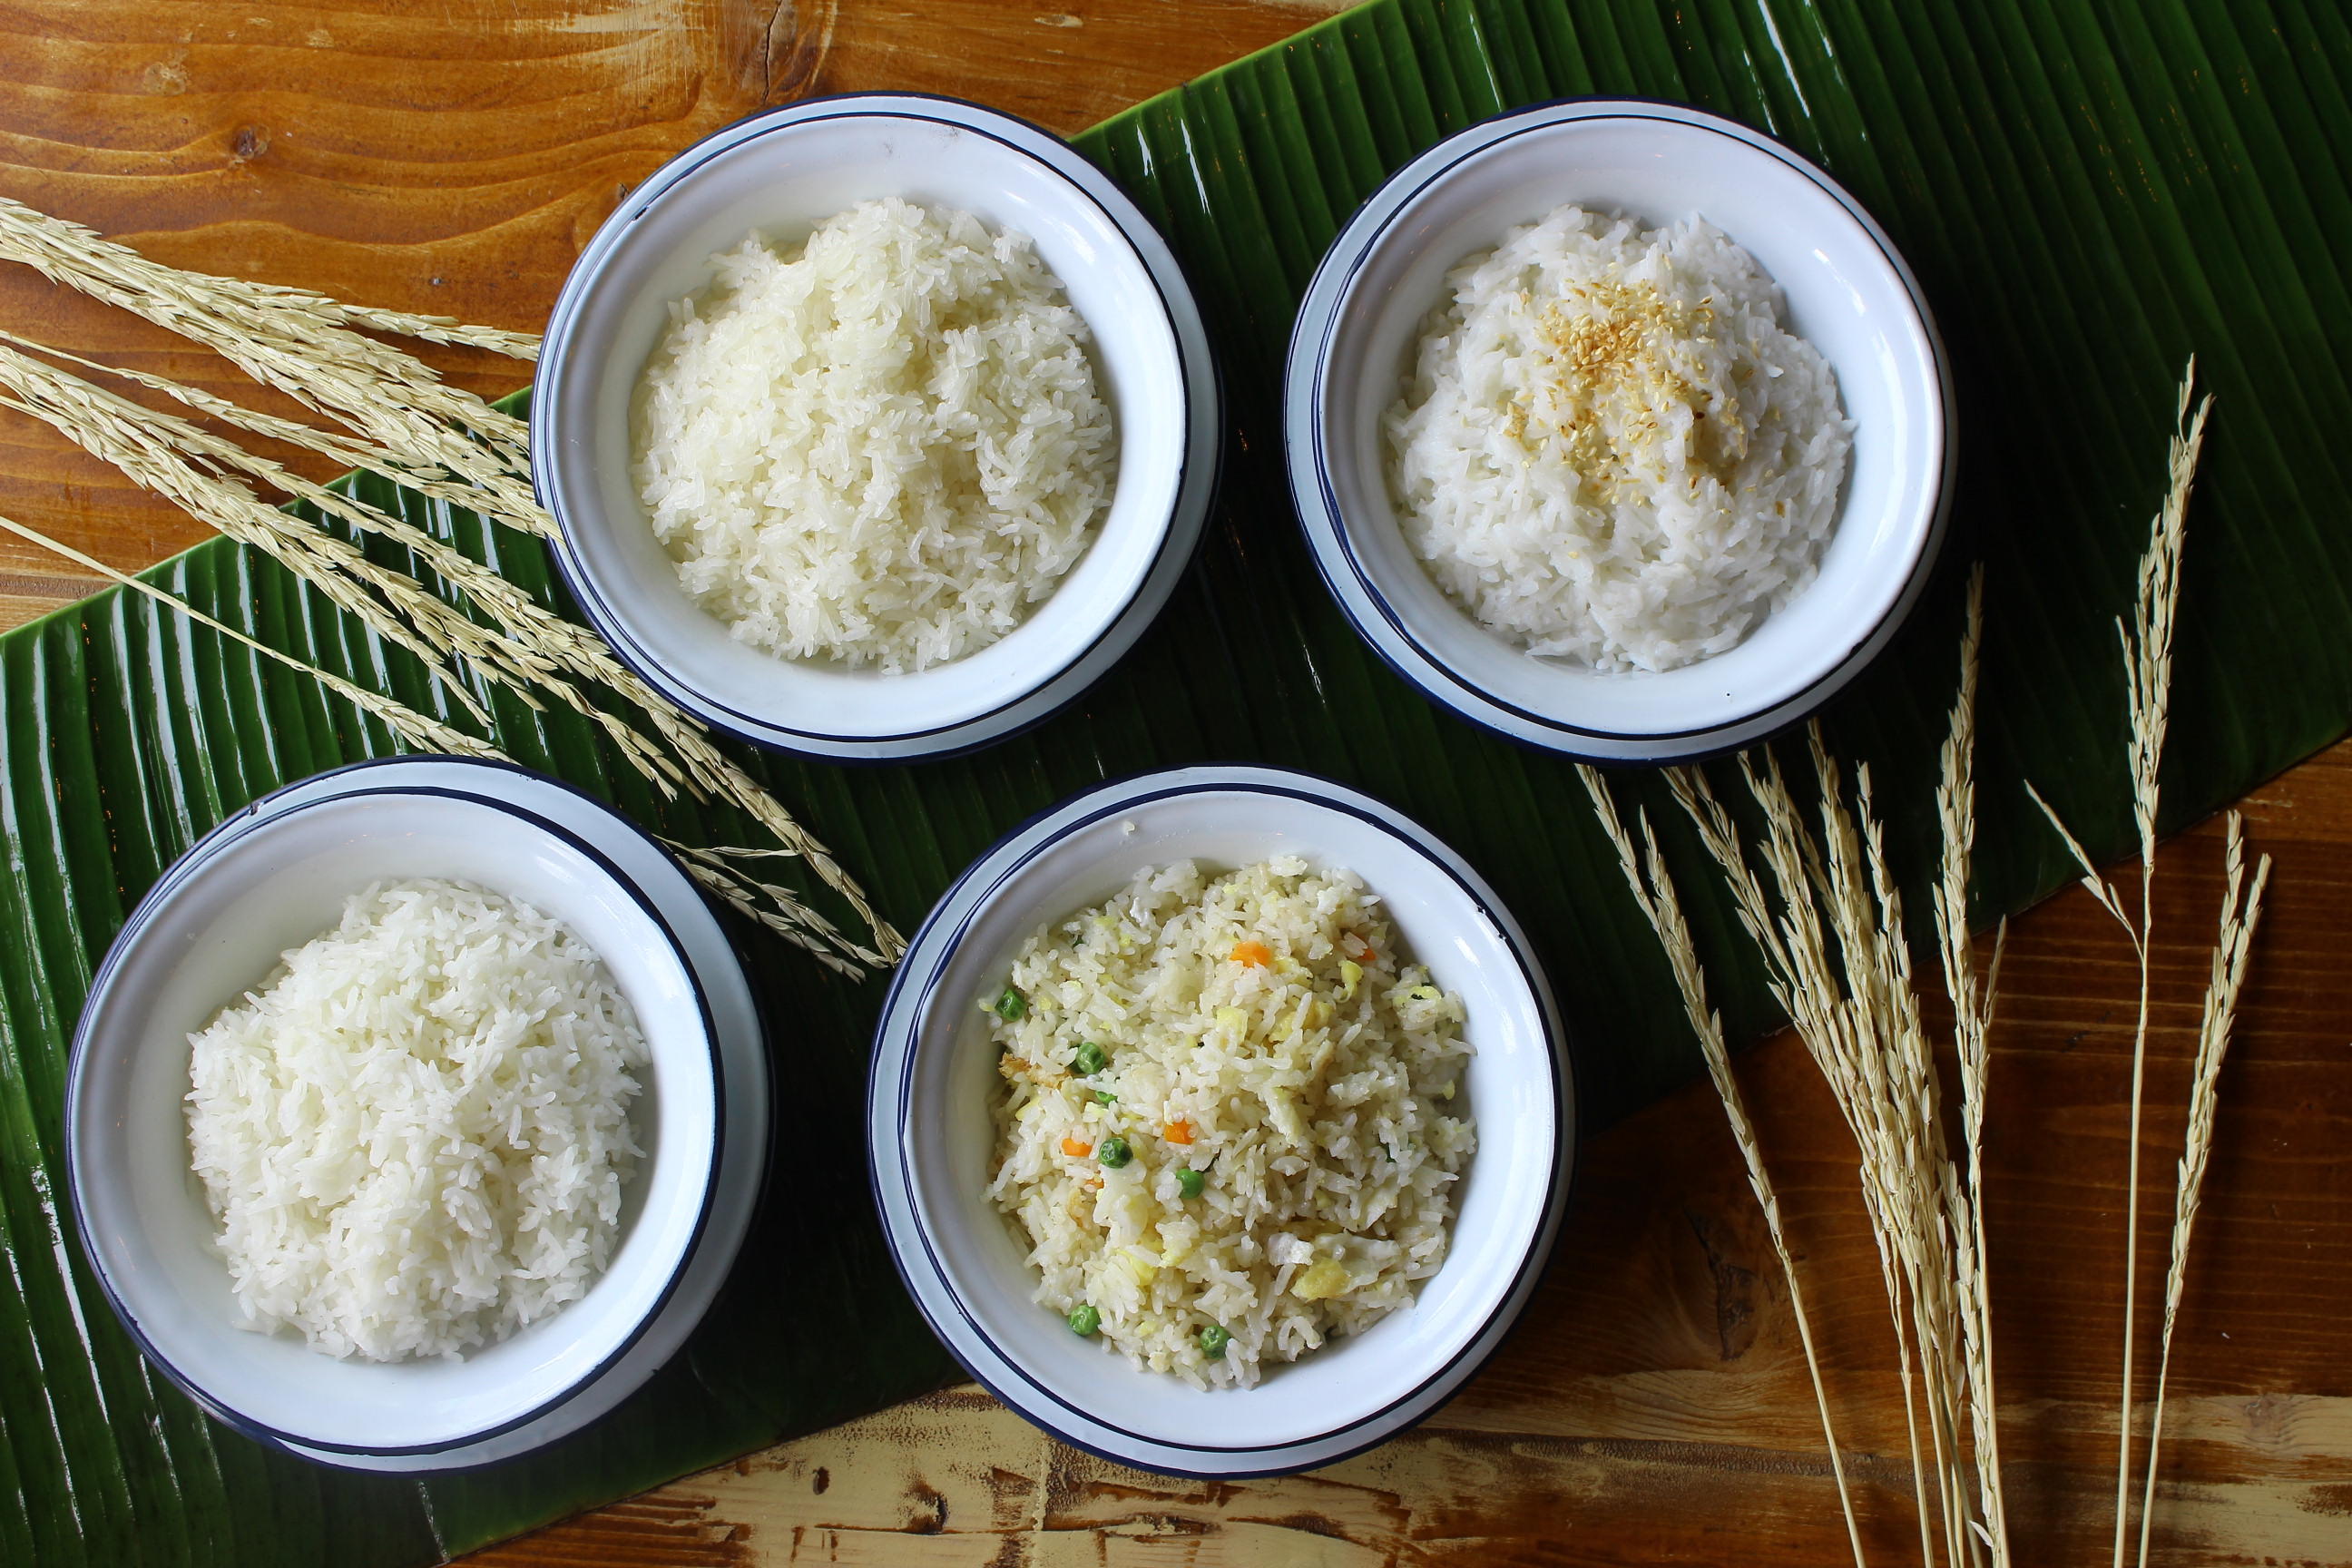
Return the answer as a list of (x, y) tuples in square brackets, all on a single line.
[(1221, 1120), (1620, 429)]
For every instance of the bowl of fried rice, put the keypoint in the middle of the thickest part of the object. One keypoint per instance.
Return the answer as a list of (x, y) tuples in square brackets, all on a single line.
[(1221, 1120)]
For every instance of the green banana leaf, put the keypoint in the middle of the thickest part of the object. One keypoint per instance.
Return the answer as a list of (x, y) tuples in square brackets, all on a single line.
[(2090, 190)]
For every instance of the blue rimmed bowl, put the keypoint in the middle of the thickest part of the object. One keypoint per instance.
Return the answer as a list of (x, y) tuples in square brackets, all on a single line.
[(274, 876), (780, 173), (1848, 290), (933, 1139)]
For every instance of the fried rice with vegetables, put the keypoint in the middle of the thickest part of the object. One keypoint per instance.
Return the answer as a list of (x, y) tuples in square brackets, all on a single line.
[(1229, 1126)]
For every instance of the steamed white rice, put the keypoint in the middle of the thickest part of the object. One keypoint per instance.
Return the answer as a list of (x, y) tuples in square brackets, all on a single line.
[(883, 449), (1258, 1028), (1609, 449), (414, 1134)]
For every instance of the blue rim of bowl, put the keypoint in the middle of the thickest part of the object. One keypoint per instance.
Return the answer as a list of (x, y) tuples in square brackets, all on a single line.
[(189, 865), (899, 1035), (456, 1462), (1331, 544), (1197, 478)]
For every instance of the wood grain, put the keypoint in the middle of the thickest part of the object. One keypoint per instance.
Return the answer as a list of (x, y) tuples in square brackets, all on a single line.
[(1653, 1406), (450, 158)]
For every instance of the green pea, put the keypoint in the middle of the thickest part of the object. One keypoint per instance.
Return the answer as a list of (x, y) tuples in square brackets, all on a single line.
[(1190, 1183), (1089, 1058), (1213, 1341), (1011, 1006), (1113, 1153), (1084, 1320)]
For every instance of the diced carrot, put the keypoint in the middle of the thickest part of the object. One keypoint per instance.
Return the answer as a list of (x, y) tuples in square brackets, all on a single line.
[(1076, 1150), (1177, 1131), (1257, 955), (1355, 947)]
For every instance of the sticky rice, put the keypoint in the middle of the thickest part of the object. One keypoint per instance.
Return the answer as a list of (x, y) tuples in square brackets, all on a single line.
[(883, 448), (414, 1134)]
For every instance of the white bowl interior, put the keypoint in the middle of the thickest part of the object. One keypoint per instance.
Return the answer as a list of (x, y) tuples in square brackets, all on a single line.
[(781, 182), (216, 934), (1510, 1087), (1843, 293)]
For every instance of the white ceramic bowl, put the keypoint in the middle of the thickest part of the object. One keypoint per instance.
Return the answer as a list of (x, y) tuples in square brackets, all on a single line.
[(1848, 291), (278, 874), (932, 1138), (782, 174)]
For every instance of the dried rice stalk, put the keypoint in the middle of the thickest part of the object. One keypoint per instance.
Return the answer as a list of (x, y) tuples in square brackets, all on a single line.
[(1663, 908), (717, 868), (2147, 678), (2230, 955), (1896, 1062), (55, 246), (421, 434), (149, 450), (421, 731), (1859, 1019), (349, 451), (302, 345), (1972, 1011), (1836, 957)]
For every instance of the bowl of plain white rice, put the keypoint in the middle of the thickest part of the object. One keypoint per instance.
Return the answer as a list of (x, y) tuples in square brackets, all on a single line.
[(400, 1123), (1350, 1279), (1533, 299), (874, 428)]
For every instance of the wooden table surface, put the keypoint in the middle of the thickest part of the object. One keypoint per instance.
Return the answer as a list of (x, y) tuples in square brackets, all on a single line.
[(1653, 1406)]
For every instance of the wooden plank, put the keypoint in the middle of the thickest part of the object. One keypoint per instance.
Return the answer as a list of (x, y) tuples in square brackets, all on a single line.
[(1653, 1405)]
